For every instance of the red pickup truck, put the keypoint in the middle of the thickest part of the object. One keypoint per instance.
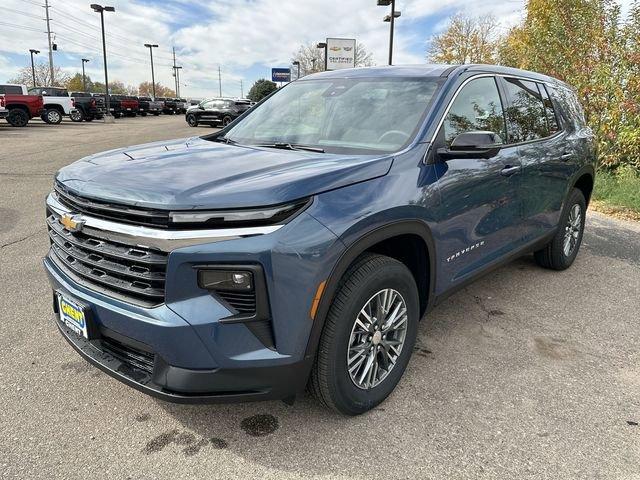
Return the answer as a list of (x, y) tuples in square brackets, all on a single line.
[(130, 105), (19, 107)]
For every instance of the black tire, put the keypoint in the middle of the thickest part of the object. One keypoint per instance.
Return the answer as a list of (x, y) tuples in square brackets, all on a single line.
[(157, 114), (17, 117), (143, 114), (192, 121), (117, 115), (88, 119), (226, 120), (330, 380), (52, 116), (77, 115), (554, 255)]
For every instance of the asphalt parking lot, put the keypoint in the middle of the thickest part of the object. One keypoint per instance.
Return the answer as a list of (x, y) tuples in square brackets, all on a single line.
[(525, 374)]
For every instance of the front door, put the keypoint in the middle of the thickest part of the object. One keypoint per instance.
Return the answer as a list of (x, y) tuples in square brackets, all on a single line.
[(480, 212)]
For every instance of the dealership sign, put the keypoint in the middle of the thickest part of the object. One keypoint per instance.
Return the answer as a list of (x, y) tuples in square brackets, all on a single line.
[(340, 53), (280, 74)]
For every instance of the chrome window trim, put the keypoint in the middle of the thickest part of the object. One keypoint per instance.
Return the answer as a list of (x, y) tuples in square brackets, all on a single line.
[(164, 240), (462, 85)]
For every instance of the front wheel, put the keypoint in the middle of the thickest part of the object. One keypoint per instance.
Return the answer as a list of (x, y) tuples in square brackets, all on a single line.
[(226, 121), (76, 115), (368, 336), (192, 121), (52, 116), (562, 250)]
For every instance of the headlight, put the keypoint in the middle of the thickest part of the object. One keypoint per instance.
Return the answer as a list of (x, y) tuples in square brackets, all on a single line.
[(240, 217)]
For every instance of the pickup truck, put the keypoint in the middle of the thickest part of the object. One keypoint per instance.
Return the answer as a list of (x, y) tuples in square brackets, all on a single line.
[(87, 106), (57, 103), (20, 107), (150, 106), (170, 105), (115, 105), (130, 106), (181, 105), (3, 107)]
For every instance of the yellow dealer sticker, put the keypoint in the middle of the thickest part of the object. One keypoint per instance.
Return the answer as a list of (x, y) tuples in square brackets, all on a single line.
[(73, 316)]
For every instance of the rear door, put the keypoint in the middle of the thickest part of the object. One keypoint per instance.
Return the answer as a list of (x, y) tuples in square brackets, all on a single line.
[(480, 214), (534, 128)]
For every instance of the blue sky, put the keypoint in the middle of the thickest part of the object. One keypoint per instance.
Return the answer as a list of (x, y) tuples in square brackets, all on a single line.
[(244, 37)]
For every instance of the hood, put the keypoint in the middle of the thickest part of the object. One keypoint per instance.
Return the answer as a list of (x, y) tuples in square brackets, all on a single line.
[(196, 173)]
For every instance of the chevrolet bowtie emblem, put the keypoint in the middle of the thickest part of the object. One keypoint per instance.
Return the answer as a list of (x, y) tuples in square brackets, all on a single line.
[(71, 223)]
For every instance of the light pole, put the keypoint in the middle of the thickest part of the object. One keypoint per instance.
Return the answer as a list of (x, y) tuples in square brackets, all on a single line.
[(177, 81), (297, 64), (390, 18), (153, 78), (108, 118), (84, 79), (33, 68), (323, 46)]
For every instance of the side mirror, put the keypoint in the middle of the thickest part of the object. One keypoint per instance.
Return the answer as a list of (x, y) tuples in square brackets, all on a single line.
[(475, 144)]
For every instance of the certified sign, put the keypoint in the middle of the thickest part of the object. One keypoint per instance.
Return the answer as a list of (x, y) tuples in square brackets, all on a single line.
[(280, 74), (341, 53)]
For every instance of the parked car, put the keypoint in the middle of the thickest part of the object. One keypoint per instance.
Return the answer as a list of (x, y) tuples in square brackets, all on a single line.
[(115, 106), (128, 104), (57, 103), (170, 105), (19, 105), (88, 107), (181, 105), (149, 106), (217, 111), (194, 101), (302, 244)]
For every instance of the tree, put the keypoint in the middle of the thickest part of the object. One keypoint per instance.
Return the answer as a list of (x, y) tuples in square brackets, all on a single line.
[(466, 40), (261, 89), (75, 83), (145, 89), (43, 76), (311, 58), (587, 44)]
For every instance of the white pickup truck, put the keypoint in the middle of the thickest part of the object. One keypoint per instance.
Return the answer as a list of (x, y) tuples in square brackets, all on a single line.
[(57, 103)]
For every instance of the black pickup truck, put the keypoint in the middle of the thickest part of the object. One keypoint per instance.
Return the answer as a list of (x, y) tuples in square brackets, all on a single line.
[(170, 105), (88, 107), (114, 104), (150, 106)]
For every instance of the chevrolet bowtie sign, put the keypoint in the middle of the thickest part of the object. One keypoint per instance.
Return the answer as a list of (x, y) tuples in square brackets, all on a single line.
[(71, 223)]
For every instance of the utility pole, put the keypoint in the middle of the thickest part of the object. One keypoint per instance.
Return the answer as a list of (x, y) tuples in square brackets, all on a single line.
[(219, 82), (241, 90), (178, 81), (46, 9), (175, 75)]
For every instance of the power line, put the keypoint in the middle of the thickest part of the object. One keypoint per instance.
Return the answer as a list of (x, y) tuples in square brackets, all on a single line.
[(21, 13)]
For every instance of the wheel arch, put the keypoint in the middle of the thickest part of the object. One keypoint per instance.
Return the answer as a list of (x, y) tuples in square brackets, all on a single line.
[(391, 240), (54, 106), (584, 182)]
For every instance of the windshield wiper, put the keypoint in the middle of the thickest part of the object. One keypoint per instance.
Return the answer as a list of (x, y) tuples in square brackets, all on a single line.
[(291, 146), (225, 140)]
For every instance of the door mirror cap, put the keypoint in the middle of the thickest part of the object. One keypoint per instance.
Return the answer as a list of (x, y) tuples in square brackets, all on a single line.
[(475, 144)]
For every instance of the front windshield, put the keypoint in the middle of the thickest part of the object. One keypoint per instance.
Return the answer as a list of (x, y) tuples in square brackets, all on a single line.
[(340, 115)]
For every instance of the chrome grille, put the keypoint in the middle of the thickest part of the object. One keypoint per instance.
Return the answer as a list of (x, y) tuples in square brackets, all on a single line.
[(133, 274)]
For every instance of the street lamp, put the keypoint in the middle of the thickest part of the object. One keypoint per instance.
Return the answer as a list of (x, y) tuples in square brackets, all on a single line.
[(100, 9), (33, 68), (323, 46), (153, 78), (84, 79), (390, 18), (297, 64)]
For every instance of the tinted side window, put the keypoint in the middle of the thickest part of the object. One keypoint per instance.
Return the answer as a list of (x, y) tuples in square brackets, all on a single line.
[(11, 90), (526, 116), (477, 107), (552, 120)]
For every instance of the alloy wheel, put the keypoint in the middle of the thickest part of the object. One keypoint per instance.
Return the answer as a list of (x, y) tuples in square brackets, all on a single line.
[(53, 116), (377, 338), (572, 230)]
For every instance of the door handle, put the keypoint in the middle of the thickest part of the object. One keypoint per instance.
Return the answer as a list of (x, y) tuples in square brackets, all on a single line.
[(510, 170), (566, 156)]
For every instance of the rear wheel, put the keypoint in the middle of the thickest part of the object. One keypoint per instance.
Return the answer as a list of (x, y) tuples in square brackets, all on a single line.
[(192, 121), (226, 120), (77, 115), (562, 250), (52, 116), (368, 336), (17, 118)]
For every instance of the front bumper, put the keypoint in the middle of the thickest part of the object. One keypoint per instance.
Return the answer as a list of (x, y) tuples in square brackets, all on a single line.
[(195, 354)]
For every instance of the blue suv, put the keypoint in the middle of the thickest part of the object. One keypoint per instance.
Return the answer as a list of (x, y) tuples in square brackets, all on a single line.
[(300, 245)]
